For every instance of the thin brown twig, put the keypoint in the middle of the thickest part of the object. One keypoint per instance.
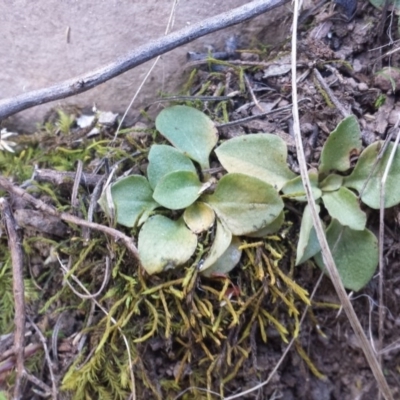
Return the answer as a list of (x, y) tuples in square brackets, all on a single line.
[(40, 205), (98, 293), (331, 95), (253, 117), (17, 259), (136, 57), (63, 177), (256, 102), (47, 357), (29, 350), (32, 378), (93, 203)]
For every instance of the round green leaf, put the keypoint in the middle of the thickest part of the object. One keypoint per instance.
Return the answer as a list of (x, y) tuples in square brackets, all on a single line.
[(308, 245), (222, 240), (355, 254), (342, 143), (199, 217), (227, 261), (331, 182), (178, 190), (133, 200), (190, 131), (164, 159), (294, 188), (262, 156), (344, 206), (365, 164), (380, 4), (245, 204), (271, 228), (165, 244)]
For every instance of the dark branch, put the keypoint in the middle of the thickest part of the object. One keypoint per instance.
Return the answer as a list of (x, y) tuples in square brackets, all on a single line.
[(136, 57)]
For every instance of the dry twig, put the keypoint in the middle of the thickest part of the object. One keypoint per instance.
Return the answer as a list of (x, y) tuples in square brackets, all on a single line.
[(17, 259), (48, 359), (136, 57), (62, 177), (331, 95), (40, 205)]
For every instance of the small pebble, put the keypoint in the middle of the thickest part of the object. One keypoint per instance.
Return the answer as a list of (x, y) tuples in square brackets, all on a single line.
[(352, 83), (388, 79), (357, 65), (362, 87), (249, 57)]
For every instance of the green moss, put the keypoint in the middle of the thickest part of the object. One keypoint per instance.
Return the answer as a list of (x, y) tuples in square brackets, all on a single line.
[(181, 330)]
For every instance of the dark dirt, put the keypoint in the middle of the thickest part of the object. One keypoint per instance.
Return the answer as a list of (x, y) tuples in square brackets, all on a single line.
[(348, 55)]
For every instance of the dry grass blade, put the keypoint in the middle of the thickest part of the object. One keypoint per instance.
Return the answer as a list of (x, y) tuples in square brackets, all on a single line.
[(381, 242), (326, 253)]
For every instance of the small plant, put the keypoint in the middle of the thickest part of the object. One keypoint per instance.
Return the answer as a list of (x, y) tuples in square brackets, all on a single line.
[(354, 247), (247, 200)]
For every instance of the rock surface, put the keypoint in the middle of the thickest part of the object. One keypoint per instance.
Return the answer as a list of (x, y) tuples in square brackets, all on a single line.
[(46, 42)]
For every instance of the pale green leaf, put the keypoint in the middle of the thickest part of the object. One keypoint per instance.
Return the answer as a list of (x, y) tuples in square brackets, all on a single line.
[(308, 245), (294, 189), (380, 4), (271, 228), (355, 254), (262, 156), (190, 131), (222, 240), (365, 165), (133, 200), (344, 206), (164, 159), (178, 190), (331, 182), (342, 143), (199, 217), (244, 203), (227, 261), (165, 244)]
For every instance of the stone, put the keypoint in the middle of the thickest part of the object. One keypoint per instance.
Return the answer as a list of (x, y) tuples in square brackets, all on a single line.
[(43, 43)]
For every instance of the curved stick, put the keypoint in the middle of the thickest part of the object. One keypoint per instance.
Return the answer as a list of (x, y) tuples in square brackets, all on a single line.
[(136, 57)]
